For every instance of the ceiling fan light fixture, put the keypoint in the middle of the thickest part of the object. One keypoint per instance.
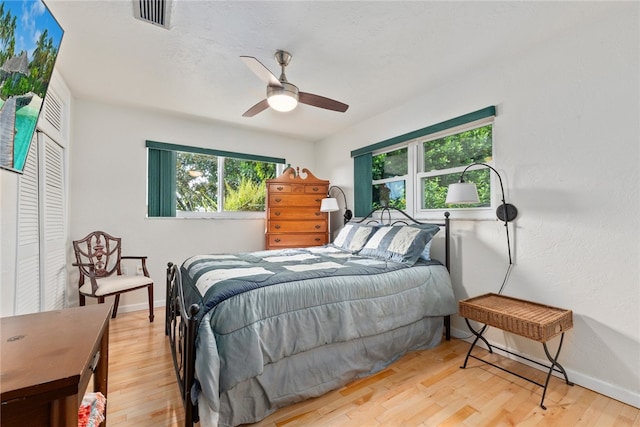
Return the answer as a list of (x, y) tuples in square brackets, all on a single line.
[(283, 98), (281, 95)]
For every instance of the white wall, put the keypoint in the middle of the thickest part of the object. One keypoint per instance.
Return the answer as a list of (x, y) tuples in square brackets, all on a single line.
[(566, 138), (108, 182)]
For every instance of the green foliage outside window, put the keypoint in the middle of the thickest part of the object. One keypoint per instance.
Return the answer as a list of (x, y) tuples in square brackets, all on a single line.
[(385, 166), (244, 183), (249, 196), (245, 187), (388, 165), (434, 189), (458, 150), (196, 182), (440, 156)]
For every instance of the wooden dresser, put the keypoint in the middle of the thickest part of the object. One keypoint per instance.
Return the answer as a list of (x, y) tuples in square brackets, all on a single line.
[(294, 219)]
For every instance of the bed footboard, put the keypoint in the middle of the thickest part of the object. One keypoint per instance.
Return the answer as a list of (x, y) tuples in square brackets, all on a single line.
[(180, 327)]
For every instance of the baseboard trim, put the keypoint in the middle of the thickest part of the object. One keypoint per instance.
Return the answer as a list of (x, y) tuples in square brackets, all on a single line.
[(139, 307)]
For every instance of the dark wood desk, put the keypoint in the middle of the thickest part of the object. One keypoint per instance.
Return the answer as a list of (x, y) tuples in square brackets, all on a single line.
[(47, 362)]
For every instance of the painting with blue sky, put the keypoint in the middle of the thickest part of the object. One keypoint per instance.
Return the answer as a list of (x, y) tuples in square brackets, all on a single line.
[(30, 38)]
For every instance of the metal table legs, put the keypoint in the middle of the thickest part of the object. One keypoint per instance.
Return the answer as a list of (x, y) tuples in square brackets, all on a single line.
[(555, 366)]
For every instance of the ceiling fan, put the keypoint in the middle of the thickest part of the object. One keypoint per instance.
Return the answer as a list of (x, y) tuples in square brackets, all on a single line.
[(282, 95)]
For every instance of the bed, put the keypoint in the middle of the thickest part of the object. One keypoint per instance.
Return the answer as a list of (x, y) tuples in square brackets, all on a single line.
[(254, 332)]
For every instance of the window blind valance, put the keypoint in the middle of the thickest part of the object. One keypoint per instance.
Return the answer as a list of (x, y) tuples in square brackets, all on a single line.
[(438, 127), (211, 152)]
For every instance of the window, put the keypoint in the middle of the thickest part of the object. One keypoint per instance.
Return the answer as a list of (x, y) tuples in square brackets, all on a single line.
[(443, 161), (390, 174), (197, 182), (412, 172)]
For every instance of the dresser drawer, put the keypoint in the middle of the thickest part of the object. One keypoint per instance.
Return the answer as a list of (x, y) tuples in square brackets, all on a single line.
[(297, 226), (295, 200), (317, 189), (295, 240), (298, 213), (279, 188)]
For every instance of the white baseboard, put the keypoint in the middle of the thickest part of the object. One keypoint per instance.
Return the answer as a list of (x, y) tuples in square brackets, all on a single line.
[(139, 307), (630, 397)]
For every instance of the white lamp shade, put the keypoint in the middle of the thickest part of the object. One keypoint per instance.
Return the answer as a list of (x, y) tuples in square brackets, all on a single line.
[(329, 204), (462, 192)]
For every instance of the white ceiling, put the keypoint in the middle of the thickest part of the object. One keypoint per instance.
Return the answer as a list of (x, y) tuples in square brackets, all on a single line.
[(370, 55)]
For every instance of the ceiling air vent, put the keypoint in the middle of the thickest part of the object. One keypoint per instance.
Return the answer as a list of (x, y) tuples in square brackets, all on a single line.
[(155, 12)]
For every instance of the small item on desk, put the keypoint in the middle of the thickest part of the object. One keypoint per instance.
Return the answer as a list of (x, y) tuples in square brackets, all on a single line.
[(91, 412)]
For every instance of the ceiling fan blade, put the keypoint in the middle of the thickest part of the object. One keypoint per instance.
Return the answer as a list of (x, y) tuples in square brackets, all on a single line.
[(321, 102), (258, 108), (261, 71)]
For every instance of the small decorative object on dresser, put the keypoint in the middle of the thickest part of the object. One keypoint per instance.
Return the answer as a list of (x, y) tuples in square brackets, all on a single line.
[(294, 219)]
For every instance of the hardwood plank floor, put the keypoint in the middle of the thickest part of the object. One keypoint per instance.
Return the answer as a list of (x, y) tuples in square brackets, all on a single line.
[(424, 388)]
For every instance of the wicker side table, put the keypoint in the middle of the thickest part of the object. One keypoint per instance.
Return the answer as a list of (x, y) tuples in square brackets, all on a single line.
[(525, 318)]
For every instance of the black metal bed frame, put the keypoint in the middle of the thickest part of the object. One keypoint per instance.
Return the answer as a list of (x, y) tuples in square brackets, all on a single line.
[(181, 327), (181, 324)]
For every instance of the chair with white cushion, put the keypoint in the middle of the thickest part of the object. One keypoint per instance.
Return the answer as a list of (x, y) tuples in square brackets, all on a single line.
[(98, 257)]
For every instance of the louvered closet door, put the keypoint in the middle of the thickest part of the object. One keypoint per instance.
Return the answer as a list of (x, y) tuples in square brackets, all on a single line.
[(40, 247), (53, 219), (27, 292)]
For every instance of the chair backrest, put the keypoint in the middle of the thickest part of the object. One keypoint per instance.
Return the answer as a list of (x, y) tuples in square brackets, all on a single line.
[(100, 249)]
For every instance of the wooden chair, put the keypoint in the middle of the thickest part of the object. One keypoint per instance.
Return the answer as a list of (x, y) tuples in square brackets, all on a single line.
[(98, 258)]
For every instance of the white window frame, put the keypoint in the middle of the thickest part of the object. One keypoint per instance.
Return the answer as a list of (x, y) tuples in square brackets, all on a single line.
[(221, 213), (407, 178), (415, 173)]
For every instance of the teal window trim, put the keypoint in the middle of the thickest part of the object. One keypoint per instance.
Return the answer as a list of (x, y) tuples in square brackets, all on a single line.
[(211, 152), (438, 127)]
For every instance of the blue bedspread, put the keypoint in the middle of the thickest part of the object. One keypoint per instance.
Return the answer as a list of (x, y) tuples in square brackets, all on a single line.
[(211, 279), (281, 326)]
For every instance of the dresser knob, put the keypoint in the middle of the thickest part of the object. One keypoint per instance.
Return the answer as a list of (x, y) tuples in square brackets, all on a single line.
[(319, 200), (277, 213), (318, 213), (277, 240), (278, 200), (277, 227), (317, 227), (315, 188), (318, 239), (280, 188)]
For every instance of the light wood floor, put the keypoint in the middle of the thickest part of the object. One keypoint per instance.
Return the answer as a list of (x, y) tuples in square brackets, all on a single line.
[(425, 388)]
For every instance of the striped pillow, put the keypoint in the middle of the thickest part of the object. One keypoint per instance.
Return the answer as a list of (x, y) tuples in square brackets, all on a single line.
[(402, 244), (353, 237)]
